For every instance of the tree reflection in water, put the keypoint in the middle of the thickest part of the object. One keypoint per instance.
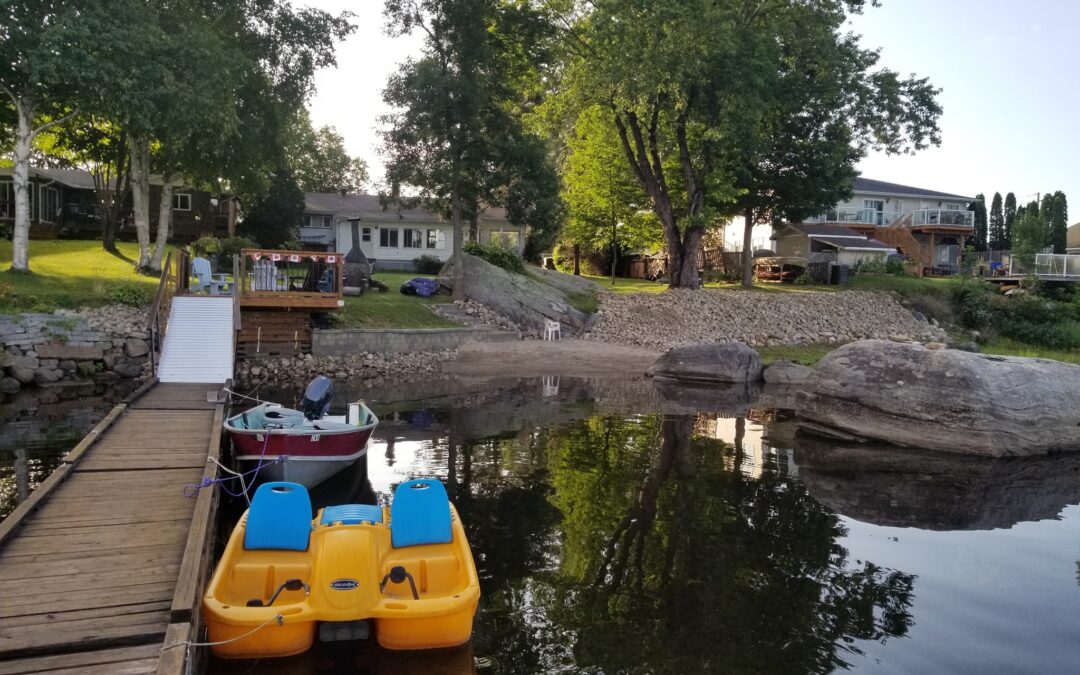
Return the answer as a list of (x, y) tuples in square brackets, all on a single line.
[(635, 545)]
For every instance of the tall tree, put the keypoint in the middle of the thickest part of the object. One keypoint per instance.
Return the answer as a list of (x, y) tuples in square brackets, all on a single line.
[(979, 207), (274, 221), (997, 237), (1009, 214), (48, 66), (734, 107), (319, 160), (453, 136), (1058, 225)]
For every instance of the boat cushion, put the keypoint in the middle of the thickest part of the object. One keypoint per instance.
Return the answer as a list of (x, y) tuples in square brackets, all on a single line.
[(279, 518), (351, 514), (420, 514)]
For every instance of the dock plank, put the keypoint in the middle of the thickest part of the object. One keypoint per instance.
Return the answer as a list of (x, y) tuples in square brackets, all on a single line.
[(91, 570)]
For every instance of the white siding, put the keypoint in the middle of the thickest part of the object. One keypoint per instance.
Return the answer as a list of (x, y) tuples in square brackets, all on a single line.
[(375, 250)]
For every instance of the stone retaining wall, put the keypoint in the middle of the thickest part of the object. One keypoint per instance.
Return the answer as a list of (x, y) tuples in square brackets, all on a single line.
[(107, 343), (347, 341)]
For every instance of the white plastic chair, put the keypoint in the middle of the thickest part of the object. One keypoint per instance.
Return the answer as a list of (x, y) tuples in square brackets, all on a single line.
[(265, 275), (552, 330)]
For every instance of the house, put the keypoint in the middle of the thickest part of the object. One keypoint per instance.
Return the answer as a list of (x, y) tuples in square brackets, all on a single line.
[(928, 226), (393, 238), (64, 203), (1072, 240), (846, 245)]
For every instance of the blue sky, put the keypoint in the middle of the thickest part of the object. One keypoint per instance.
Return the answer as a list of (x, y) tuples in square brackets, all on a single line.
[(1008, 72)]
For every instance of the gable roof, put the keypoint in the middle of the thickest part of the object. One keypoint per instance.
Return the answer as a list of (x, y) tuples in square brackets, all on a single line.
[(862, 244), (882, 187), (369, 207), (79, 179)]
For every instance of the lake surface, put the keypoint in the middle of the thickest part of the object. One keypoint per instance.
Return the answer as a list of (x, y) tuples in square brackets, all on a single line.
[(618, 532)]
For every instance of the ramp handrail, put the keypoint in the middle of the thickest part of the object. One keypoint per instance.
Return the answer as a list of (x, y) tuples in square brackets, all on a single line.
[(161, 297)]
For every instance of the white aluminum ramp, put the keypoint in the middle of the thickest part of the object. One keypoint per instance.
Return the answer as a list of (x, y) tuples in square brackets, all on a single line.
[(198, 345)]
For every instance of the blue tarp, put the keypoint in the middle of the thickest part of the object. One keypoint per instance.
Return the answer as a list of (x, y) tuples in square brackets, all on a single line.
[(420, 286)]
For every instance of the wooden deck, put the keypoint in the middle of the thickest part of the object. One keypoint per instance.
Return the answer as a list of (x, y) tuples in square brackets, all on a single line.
[(106, 558)]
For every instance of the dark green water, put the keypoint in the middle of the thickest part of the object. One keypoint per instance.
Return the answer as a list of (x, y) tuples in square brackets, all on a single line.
[(615, 532)]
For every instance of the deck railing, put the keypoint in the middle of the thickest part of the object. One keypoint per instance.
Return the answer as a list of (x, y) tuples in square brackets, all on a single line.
[(946, 217), (856, 216), (159, 308), (291, 277)]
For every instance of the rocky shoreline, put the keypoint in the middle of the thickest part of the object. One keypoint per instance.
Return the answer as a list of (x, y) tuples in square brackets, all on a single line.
[(679, 317), (102, 344), (374, 369)]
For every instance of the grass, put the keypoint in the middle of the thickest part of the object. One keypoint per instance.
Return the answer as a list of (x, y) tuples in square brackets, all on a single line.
[(1007, 347), (645, 286), (392, 309), (69, 274), (807, 355)]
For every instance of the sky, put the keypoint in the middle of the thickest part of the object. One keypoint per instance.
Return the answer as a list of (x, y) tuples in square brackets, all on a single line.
[(1007, 69)]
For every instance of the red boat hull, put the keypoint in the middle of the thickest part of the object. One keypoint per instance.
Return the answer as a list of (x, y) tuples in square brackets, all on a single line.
[(251, 445)]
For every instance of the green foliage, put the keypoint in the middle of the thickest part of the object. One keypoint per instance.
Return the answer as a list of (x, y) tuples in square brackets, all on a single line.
[(319, 160), (1039, 321), (275, 220), (997, 239), (428, 264), (870, 267), (1008, 219), (225, 247), (971, 300), (131, 294), (1029, 236), (981, 226), (804, 279), (496, 255), (1057, 222)]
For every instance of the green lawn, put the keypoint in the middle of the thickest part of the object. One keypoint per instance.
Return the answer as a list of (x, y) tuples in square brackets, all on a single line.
[(645, 286), (69, 274), (392, 309), (1007, 347), (807, 355)]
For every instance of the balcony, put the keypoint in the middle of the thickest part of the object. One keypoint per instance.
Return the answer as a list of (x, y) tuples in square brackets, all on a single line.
[(856, 216), (943, 217)]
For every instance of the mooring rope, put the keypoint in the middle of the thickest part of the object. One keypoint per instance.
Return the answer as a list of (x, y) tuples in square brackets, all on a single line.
[(187, 643), (192, 489)]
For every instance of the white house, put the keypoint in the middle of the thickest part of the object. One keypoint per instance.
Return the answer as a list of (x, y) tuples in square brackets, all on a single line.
[(392, 238)]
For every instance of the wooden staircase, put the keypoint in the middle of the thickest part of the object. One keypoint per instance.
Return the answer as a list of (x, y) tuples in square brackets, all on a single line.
[(898, 234)]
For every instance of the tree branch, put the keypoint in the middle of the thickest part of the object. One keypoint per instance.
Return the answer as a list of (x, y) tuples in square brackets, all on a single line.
[(10, 94), (49, 125), (621, 126), (695, 194), (654, 147)]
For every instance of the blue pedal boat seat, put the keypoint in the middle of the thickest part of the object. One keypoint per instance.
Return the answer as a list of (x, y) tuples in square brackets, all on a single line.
[(279, 518), (420, 514), (351, 514)]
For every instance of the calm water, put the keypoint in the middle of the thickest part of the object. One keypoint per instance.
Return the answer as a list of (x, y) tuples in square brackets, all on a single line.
[(614, 537)]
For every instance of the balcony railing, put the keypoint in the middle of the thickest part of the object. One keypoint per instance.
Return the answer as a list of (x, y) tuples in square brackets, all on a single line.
[(855, 216), (943, 217)]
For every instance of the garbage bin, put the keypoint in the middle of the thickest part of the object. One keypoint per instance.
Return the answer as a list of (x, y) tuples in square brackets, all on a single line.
[(839, 274)]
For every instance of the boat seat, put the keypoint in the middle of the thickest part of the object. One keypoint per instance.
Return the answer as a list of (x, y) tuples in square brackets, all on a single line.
[(351, 514), (420, 514), (279, 518)]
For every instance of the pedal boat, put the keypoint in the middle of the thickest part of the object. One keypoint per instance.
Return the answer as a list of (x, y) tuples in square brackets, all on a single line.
[(407, 567)]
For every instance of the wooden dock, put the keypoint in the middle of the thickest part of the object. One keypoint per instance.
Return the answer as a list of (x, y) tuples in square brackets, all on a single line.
[(101, 568)]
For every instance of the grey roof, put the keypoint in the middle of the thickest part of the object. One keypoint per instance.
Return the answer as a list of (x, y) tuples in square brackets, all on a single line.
[(369, 207), (883, 187), (79, 179), (844, 243)]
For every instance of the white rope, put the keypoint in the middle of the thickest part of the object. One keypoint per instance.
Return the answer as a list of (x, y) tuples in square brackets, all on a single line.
[(277, 617), (250, 398)]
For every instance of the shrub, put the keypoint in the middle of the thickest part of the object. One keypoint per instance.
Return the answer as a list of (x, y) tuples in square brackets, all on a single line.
[(231, 246), (972, 303), (932, 306), (427, 264), (205, 245), (896, 266), (131, 294), (1039, 321), (804, 279), (875, 267), (497, 255)]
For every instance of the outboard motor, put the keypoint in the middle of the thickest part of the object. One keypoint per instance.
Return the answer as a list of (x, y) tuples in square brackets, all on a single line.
[(316, 401)]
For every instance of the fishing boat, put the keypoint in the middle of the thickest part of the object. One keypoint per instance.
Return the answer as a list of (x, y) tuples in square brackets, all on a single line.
[(285, 577), (305, 445)]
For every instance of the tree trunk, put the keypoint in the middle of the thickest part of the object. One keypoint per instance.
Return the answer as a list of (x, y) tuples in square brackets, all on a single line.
[(164, 223), (20, 239), (459, 263), (577, 260), (683, 258), (747, 249), (140, 197)]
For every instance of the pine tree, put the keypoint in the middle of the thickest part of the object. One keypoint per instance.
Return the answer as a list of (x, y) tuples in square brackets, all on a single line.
[(1010, 217), (1058, 225), (997, 238), (979, 207)]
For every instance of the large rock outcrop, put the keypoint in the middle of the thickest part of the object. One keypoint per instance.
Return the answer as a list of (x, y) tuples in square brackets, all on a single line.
[(946, 400), (709, 363), (526, 299)]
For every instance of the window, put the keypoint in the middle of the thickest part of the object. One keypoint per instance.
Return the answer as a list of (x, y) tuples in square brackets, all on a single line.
[(365, 234), (7, 200), (505, 238), (181, 201), (877, 206), (50, 204), (952, 207), (388, 237), (436, 239), (318, 221), (414, 238)]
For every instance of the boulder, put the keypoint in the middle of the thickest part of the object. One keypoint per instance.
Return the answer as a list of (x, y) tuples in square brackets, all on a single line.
[(134, 347), (783, 371), (45, 374), (23, 374), (54, 350), (945, 400), (30, 362), (128, 368), (9, 385), (709, 363)]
